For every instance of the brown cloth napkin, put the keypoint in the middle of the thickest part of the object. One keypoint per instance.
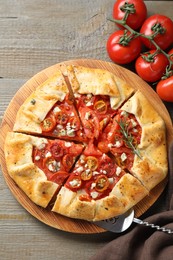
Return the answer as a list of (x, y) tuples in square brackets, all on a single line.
[(141, 242)]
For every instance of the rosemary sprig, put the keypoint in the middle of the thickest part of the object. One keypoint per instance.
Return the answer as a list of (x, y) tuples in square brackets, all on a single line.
[(128, 138)]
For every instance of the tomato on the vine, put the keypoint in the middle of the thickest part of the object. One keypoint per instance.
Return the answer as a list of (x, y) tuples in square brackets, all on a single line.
[(165, 89), (136, 9), (122, 48), (150, 66), (161, 27)]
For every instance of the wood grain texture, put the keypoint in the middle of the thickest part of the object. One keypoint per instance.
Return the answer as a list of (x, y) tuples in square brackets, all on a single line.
[(45, 215), (35, 34)]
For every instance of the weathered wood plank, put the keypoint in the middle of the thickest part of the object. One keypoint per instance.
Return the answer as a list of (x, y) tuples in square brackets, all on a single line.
[(35, 34)]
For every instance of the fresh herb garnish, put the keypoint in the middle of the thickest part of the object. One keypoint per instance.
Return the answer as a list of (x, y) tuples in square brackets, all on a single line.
[(128, 138)]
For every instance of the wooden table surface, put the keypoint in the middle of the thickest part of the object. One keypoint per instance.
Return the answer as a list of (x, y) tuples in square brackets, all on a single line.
[(35, 34)]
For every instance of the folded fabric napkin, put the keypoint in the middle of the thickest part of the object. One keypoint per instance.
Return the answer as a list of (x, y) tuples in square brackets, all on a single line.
[(141, 242)]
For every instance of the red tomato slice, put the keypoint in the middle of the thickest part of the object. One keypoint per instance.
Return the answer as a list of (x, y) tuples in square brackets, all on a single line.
[(74, 182), (56, 150), (102, 183), (84, 197), (68, 161), (59, 177), (74, 123), (61, 117), (100, 106), (91, 150), (90, 122), (48, 124)]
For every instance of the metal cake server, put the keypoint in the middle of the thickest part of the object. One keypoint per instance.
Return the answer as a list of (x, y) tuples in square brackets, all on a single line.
[(123, 222)]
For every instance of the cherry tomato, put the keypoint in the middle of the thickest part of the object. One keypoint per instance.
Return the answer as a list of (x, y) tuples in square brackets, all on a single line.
[(56, 150), (74, 123), (59, 177), (86, 175), (102, 183), (165, 89), (118, 52), (103, 146), (92, 163), (48, 124), (85, 197), (90, 122), (154, 70), (100, 106), (51, 164), (74, 182), (137, 12), (67, 161), (160, 23), (171, 57), (61, 118)]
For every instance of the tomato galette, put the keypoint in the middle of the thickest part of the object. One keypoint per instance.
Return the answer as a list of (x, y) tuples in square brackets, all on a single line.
[(87, 145)]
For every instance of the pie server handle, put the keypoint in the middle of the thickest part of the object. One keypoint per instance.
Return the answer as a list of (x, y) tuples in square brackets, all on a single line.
[(145, 223), (123, 222)]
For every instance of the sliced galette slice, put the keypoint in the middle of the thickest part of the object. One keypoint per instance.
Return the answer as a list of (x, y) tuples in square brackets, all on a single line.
[(136, 137), (49, 111), (98, 93), (97, 188), (39, 166)]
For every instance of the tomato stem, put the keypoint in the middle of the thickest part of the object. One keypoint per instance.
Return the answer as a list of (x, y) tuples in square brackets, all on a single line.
[(157, 28)]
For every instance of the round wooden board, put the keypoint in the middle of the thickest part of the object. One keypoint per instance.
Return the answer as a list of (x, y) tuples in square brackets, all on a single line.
[(44, 215)]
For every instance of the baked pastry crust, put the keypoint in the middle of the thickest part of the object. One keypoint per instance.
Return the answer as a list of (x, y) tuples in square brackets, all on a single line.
[(152, 168), (18, 153), (125, 194)]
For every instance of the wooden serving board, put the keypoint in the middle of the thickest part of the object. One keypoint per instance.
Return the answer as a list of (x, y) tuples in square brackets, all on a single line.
[(53, 219)]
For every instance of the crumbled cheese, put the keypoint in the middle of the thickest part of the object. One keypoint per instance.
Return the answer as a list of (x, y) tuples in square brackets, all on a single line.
[(37, 157), (118, 171), (133, 122), (74, 183), (59, 127), (111, 180), (89, 95), (70, 132), (80, 169), (62, 132), (123, 157), (135, 130), (41, 146), (77, 95), (94, 194), (93, 185), (95, 173), (56, 110), (105, 121), (110, 134), (89, 103), (67, 144), (124, 113), (109, 145), (48, 154), (104, 156), (72, 113), (87, 171), (117, 144), (104, 172), (87, 115)]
